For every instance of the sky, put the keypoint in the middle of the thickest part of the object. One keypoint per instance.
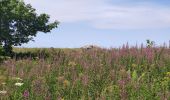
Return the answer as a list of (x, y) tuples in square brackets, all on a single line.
[(106, 23)]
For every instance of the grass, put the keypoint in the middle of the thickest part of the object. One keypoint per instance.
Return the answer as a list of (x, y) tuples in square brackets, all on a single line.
[(86, 74)]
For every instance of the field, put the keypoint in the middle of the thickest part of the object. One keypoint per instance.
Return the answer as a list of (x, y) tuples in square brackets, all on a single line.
[(126, 73)]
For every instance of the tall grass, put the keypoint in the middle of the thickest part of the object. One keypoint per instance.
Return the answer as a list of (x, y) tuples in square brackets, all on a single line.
[(127, 73)]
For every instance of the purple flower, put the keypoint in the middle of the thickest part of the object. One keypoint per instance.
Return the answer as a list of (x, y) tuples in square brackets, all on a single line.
[(128, 77), (121, 82), (26, 94), (85, 80)]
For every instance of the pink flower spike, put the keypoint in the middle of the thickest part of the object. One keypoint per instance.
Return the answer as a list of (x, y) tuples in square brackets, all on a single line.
[(26, 94)]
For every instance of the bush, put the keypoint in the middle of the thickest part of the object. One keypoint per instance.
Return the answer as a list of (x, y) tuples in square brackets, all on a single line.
[(3, 55)]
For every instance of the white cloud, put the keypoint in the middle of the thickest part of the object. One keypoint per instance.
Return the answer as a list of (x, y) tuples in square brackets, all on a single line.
[(101, 14)]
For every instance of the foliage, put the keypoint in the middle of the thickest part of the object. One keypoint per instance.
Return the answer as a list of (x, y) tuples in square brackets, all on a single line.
[(1, 50), (2, 54), (149, 43), (19, 23)]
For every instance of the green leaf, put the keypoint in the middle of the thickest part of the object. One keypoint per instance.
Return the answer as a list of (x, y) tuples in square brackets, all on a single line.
[(20, 23), (134, 75)]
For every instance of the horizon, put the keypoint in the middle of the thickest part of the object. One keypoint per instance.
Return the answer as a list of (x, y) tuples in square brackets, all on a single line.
[(106, 23)]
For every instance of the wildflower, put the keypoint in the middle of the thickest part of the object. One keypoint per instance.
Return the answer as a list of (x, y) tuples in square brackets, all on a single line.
[(19, 84), (8, 57), (166, 78), (48, 68), (60, 79), (80, 74), (165, 81), (168, 73), (134, 65), (60, 98), (66, 83), (3, 92), (85, 80), (152, 65), (121, 82), (101, 64), (17, 78), (3, 83), (36, 58), (72, 64), (128, 75), (26, 94), (112, 74), (110, 89), (123, 73)]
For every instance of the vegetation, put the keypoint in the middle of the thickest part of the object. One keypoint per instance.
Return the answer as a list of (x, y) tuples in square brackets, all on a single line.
[(88, 73), (19, 23), (127, 73)]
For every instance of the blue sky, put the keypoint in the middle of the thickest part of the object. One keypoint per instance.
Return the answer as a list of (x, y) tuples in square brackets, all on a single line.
[(106, 23)]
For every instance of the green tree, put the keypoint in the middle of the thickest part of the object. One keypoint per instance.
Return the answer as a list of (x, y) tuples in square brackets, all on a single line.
[(19, 23), (150, 43)]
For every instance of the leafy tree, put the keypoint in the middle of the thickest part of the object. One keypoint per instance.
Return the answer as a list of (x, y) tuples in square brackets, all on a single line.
[(150, 43), (19, 23)]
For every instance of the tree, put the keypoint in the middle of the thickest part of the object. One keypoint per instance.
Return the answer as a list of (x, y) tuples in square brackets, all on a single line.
[(19, 23), (150, 43)]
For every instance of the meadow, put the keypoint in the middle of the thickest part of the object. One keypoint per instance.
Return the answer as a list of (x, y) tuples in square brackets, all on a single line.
[(126, 73)]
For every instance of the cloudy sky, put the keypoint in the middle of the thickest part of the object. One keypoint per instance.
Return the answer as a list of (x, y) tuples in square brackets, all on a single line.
[(107, 23)]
